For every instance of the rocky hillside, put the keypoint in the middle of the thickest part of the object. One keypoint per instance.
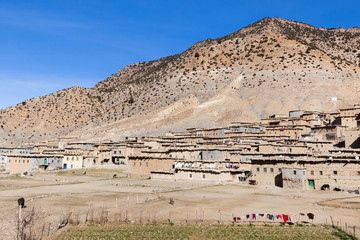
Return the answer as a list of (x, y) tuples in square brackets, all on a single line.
[(273, 65)]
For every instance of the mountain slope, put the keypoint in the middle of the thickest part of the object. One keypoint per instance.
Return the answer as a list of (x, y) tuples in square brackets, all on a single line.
[(273, 65)]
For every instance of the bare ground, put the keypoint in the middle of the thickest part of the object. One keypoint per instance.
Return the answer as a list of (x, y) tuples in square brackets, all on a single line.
[(54, 194)]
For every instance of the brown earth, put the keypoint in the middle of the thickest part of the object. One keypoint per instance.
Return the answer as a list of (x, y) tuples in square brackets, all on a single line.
[(53, 195)]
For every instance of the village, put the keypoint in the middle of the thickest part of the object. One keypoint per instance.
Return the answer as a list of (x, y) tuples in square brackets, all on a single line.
[(301, 150)]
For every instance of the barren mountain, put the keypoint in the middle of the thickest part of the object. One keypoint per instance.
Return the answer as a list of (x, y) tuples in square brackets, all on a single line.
[(271, 66)]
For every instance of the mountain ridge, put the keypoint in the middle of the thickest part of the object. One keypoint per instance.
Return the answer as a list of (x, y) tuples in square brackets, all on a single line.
[(290, 64)]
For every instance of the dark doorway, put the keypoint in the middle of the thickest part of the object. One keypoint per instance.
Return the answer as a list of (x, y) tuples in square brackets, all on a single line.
[(279, 180)]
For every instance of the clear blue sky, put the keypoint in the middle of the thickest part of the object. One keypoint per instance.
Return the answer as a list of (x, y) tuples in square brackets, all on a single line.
[(48, 45)]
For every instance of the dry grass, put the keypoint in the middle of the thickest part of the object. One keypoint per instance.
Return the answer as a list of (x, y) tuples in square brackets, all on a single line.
[(349, 202), (170, 231)]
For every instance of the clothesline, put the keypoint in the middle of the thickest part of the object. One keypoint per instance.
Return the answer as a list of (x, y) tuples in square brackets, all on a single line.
[(284, 217)]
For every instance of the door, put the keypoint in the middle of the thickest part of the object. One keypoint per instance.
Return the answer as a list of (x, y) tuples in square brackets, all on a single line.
[(65, 166), (311, 184)]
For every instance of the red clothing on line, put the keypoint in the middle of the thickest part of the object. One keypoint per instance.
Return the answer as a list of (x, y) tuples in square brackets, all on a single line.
[(286, 218)]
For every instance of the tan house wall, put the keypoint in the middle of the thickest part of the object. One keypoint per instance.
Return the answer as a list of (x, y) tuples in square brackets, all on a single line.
[(88, 162), (187, 155), (349, 112), (153, 144), (343, 176), (143, 167), (73, 161), (205, 176), (319, 147), (291, 133), (18, 164), (281, 148), (349, 122), (265, 174)]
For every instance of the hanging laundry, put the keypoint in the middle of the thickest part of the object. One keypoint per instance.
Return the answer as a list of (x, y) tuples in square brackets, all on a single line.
[(311, 216), (279, 216), (275, 216), (247, 216), (254, 216), (261, 214), (238, 218), (302, 214), (286, 218)]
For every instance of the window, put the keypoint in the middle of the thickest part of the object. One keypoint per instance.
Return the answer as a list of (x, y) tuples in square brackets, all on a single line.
[(303, 172), (27, 161), (15, 161), (146, 164), (88, 159), (258, 169), (72, 158), (335, 172), (23, 161), (67, 158), (265, 170), (312, 172), (77, 158), (203, 176), (294, 172), (190, 175), (9, 160), (134, 163), (140, 163), (279, 169), (321, 172), (272, 170)]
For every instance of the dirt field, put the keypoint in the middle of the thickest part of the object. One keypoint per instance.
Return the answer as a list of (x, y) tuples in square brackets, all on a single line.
[(54, 194), (348, 202)]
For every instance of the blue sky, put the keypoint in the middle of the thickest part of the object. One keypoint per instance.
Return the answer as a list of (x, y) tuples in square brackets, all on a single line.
[(46, 46)]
